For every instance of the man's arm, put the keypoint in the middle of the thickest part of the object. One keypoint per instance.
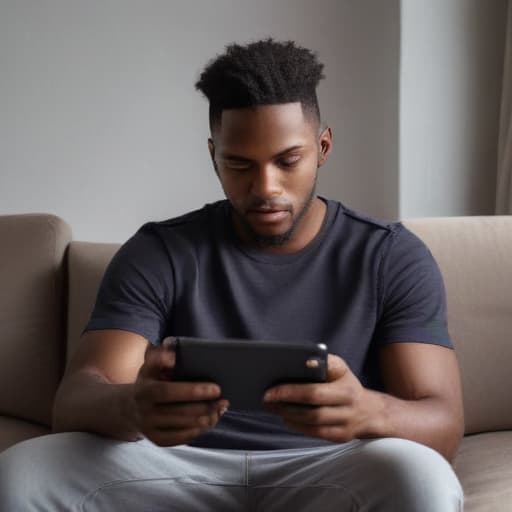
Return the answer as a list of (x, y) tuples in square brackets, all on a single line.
[(96, 393), (422, 400), (114, 387)]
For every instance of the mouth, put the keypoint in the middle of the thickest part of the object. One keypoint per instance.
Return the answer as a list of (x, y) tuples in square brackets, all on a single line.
[(267, 215)]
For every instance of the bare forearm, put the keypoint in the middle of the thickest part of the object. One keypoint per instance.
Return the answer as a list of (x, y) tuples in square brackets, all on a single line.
[(87, 402), (429, 421)]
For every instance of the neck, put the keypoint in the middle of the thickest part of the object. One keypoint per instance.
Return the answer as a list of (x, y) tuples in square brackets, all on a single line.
[(304, 232)]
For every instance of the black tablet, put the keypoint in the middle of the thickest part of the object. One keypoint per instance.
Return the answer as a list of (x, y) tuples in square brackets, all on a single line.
[(245, 369)]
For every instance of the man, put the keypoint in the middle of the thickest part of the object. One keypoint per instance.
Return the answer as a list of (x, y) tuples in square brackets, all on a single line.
[(274, 261)]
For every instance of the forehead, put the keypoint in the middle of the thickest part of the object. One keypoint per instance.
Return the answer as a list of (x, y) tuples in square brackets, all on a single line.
[(268, 128)]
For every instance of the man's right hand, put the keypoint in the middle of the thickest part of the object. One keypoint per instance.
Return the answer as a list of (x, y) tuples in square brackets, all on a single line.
[(168, 412)]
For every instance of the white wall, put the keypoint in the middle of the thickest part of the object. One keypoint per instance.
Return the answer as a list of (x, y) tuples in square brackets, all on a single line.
[(450, 86), (100, 122)]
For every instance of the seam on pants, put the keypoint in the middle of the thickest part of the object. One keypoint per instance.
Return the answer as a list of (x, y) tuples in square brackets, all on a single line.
[(82, 504)]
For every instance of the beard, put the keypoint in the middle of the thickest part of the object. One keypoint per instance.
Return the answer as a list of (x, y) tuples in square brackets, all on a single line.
[(281, 238)]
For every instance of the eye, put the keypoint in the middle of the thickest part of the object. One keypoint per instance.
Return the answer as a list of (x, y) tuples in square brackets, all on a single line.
[(236, 165), (289, 161)]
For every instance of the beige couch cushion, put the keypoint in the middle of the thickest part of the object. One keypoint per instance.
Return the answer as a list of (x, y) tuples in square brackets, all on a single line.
[(86, 265), (13, 431), (484, 467), (475, 257), (31, 313)]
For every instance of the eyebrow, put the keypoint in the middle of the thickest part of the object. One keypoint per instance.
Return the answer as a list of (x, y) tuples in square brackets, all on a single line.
[(238, 158)]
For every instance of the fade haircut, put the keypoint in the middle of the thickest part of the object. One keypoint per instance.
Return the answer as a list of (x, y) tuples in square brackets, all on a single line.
[(265, 72)]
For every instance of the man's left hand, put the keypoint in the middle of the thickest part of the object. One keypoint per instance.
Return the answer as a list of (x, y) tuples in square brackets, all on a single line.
[(338, 410)]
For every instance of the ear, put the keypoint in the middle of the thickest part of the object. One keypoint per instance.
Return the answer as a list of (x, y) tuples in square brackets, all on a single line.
[(211, 149), (324, 145)]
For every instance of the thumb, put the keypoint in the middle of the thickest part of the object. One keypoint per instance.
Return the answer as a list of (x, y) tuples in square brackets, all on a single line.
[(336, 367), (158, 360)]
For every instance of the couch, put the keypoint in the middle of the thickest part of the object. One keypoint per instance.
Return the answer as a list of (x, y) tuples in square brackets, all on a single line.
[(49, 281)]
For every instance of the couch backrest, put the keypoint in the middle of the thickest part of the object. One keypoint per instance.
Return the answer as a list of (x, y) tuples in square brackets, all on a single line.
[(475, 257), (87, 262), (32, 319)]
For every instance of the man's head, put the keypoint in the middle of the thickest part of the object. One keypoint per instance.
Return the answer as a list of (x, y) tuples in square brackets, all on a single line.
[(266, 143), (261, 73)]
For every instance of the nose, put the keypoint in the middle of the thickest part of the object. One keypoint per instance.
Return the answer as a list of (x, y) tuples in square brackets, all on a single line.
[(266, 182)]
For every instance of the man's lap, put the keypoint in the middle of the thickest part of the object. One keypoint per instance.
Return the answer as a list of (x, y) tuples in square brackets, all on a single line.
[(80, 471)]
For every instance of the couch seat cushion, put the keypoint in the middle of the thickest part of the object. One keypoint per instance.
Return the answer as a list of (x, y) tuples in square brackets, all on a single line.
[(484, 467), (13, 431)]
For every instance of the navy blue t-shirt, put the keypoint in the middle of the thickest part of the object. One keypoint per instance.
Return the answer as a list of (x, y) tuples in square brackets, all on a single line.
[(358, 284)]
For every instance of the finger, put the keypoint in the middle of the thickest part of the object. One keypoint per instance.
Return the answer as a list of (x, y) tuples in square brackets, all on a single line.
[(337, 434), (160, 355), (164, 437), (169, 432), (336, 367), (307, 394), (157, 359), (166, 422), (204, 415), (154, 392), (311, 415), (313, 393), (169, 343), (191, 410)]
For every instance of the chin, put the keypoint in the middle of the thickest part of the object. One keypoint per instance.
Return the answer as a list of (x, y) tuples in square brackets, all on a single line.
[(271, 238)]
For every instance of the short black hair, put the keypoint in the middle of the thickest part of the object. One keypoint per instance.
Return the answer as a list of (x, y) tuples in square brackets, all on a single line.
[(265, 72)]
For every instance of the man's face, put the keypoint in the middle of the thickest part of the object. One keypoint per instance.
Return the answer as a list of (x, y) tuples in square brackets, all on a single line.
[(267, 159)]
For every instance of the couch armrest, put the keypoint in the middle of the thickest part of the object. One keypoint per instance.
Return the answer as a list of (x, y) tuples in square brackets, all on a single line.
[(32, 313)]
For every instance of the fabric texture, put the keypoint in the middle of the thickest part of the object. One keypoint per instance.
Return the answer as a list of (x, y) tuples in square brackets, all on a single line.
[(358, 284), (32, 337), (504, 179), (14, 431), (86, 264), (484, 469), (382, 475), (474, 255)]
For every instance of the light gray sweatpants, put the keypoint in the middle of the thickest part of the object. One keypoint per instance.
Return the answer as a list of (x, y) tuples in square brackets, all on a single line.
[(84, 472)]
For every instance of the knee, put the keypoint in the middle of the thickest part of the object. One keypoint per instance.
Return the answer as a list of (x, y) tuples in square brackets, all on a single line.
[(415, 477), (29, 470), (19, 473)]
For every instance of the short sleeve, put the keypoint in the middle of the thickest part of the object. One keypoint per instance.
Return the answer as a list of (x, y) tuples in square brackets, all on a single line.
[(135, 293), (412, 293)]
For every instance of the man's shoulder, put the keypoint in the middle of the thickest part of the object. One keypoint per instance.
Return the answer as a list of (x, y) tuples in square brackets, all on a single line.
[(388, 238), (180, 234), (364, 222), (199, 220)]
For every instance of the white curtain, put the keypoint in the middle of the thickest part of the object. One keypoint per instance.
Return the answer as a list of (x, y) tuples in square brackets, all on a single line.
[(504, 184)]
